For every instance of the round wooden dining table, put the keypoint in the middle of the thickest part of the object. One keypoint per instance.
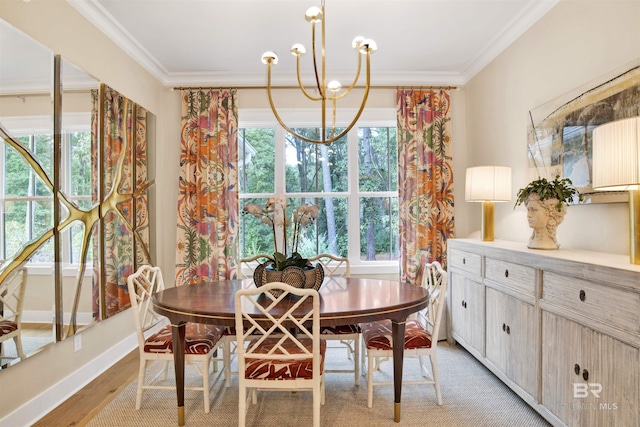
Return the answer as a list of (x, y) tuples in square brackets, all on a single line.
[(343, 301)]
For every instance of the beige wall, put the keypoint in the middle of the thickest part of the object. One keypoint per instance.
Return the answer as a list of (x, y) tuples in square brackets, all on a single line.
[(574, 44)]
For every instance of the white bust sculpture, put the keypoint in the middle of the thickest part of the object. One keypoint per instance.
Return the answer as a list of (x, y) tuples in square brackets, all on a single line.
[(543, 217)]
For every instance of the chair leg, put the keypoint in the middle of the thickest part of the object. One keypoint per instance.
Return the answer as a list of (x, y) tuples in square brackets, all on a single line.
[(205, 385), (316, 405), (141, 371), (165, 370), (436, 383), (423, 367), (242, 405), (18, 340), (356, 360), (226, 354), (369, 380), (214, 359)]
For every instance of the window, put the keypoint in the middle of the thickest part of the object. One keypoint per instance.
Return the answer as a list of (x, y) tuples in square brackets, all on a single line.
[(353, 181), (27, 203)]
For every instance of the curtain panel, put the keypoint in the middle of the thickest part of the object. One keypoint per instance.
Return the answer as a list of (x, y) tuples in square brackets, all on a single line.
[(207, 187), (425, 179)]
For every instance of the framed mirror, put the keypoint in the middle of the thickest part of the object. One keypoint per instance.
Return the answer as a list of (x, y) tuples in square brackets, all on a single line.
[(75, 191), (560, 131), (27, 115)]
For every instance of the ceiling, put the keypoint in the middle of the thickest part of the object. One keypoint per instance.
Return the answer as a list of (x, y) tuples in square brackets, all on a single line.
[(220, 42)]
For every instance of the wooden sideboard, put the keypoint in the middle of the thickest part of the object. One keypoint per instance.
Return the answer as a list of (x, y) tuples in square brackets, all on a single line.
[(561, 328)]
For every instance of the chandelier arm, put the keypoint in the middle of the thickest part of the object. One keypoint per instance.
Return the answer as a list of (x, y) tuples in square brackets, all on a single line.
[(333, 119), (355, 81), (275, 112), (315, 63), (355, 119), (302, 88)]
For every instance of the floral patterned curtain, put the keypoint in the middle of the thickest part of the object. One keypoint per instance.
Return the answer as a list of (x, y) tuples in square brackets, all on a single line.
[(425, 179), (208, 187)]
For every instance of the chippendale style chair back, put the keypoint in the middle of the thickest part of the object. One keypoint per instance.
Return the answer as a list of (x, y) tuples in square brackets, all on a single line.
[(12, 291), (420, 339), (245, 271), (248, 265), (347, 335), (201, 341), (270, 355)]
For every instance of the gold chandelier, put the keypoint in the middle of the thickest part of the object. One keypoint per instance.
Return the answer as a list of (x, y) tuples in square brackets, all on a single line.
[(326, 92)]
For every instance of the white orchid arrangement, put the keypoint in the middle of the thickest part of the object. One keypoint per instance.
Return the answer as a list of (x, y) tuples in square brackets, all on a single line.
[(274, 214)]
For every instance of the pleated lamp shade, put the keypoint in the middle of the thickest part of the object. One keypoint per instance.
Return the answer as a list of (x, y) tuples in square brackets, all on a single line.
[(616, 167), (488, 184)]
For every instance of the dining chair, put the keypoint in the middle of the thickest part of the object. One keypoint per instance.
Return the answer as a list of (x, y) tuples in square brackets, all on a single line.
[(12, 291), (201, 341), (248, 265), (420, 338), (347, 335), (246, 268), (271, 356)]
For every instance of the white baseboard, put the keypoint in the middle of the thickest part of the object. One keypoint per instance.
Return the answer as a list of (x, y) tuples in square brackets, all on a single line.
[(51, 398)]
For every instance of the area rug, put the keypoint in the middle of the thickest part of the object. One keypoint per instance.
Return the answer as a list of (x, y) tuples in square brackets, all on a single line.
[(471, 394)]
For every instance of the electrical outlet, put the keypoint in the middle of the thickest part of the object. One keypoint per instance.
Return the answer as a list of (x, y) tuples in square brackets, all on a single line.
[(77, 342)]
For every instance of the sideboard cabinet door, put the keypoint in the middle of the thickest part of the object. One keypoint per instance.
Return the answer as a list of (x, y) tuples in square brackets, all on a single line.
[(511, 331), (467, 311), (588, 378)]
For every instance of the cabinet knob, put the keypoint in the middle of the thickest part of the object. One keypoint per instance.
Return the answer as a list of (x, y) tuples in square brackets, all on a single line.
[(585, 375), (464, 303), (506, 273), (464, 260), (583, 295), (504, 327), (508, 330), (576, 369)]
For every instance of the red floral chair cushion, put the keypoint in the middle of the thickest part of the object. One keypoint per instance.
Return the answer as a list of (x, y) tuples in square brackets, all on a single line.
[(7, 326), (377, 335), (199, 339), (276, 369)]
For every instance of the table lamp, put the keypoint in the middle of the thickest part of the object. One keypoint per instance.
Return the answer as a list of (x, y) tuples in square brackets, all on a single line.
[(488, 184), (616, 167)]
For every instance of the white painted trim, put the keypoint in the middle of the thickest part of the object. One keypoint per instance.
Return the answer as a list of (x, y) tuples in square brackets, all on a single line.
[(93, 11), (529, 15), (46, 316), (51, 398)]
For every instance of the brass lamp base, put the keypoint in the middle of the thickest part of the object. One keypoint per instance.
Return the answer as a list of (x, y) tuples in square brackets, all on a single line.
[(487, 221)]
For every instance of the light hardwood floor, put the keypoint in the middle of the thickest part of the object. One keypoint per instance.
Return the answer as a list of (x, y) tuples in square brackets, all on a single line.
[(82, 406)]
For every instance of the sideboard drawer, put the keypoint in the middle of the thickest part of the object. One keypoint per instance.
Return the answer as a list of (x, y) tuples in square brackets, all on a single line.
[(466, 261), (521, 278), (616, 307)]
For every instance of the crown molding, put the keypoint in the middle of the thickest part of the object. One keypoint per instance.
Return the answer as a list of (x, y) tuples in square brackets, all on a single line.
[(104, 21), (226, 79), (534, 10), (96, 14)]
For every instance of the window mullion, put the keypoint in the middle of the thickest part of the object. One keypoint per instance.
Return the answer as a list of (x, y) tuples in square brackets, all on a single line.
[(353, 202), (280, 177)]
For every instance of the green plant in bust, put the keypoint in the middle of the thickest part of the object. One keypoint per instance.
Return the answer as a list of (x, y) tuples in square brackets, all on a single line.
[(561, 189), (274, 214)]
